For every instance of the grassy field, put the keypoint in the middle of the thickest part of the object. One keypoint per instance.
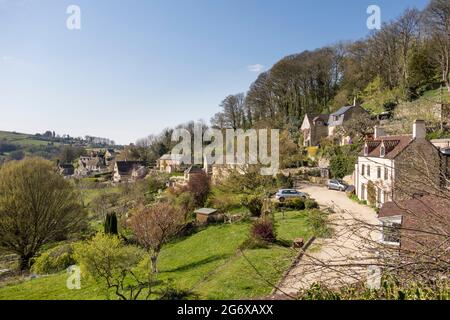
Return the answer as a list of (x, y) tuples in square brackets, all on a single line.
[(21, 139), (209, 262)]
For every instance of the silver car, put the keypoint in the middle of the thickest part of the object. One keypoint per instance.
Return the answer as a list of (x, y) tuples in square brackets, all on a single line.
[(284, 194), (335, 184)]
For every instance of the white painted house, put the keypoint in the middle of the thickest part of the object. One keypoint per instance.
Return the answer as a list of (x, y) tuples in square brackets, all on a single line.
[(386, 158)]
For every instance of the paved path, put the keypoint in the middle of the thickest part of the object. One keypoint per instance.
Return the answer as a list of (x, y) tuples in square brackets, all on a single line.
[(350, 244)]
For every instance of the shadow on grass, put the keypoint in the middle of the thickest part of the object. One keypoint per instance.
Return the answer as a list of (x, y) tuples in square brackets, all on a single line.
[(197, 264)]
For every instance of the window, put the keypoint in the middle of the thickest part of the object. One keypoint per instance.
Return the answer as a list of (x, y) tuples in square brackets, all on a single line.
[(382, 151), (366, 150), (379, 173), (391, 232), (368, 171), (386, 173), (362, 170)]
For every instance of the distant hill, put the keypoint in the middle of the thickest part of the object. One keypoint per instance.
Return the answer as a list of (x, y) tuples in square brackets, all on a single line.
[(24, 139), (15, 146)]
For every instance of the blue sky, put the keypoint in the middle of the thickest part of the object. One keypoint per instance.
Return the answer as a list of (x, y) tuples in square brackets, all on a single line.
[(138, 66)]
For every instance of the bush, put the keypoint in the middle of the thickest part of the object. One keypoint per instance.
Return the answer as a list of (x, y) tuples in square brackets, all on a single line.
[(223, 202), (283, 181), (186, 202), (317, 222), (54, 260), (263, 229), (311, 204), (292, 204), (254, 203)]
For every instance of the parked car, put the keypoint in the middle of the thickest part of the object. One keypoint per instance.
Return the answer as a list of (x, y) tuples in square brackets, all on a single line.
[(284, 194), (335, 184)]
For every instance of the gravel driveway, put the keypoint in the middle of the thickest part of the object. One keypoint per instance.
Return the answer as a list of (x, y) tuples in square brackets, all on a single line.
[(346, 256)]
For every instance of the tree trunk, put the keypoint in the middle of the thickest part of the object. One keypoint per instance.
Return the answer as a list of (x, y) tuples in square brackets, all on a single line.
[(153, 259), (24, 263)]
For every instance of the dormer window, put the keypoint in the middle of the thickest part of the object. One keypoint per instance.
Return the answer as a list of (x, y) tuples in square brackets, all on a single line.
[(382, 150), (366, 150)]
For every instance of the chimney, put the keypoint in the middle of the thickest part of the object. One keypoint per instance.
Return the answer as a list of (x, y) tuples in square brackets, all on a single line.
[(419, 130), (378, 132)]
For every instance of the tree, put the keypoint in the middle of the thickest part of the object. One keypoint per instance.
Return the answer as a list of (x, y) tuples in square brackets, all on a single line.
[(357, 127), (68, 154), (110, 262), (111, 224), (437, 20), (199, 186), (37, 206), (154, 226)]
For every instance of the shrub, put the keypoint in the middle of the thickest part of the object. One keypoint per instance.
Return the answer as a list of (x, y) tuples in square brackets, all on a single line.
[(112, 264), (317, 222), (283, 181), (311, 204), (223, 202), (371, 193), (254, 203), (297, 204), (292, 204), (263, 229), (186, 202), (54, 260)]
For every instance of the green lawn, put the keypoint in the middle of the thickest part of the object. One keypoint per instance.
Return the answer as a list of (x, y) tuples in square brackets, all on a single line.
[(209, 262), (90, 194)]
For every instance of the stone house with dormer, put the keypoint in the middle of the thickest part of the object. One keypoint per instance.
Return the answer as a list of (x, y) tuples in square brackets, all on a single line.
[(315, 127), (391, 168)]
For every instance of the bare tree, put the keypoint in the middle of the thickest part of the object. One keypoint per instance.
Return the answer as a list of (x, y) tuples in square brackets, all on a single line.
[(154, 226)]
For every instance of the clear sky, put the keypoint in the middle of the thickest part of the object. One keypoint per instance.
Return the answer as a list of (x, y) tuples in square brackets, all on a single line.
[(138, 66)]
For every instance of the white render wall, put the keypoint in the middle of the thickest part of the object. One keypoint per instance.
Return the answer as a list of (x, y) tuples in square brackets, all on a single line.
[(381, 183)]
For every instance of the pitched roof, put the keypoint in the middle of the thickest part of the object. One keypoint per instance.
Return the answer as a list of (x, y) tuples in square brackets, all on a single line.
[(394, 145), (169, 156), (414, 207), (126, 167), (323, 117), (206, 211), (341, 111)]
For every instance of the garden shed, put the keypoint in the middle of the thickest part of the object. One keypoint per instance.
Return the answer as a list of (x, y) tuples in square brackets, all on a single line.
[(207, 215)]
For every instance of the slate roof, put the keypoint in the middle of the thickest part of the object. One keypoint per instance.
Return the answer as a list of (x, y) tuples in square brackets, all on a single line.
[(341, 111), (126, 167)]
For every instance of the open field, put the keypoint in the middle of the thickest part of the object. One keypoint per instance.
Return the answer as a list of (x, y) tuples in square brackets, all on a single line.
[(209, 262), (22, 139)]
